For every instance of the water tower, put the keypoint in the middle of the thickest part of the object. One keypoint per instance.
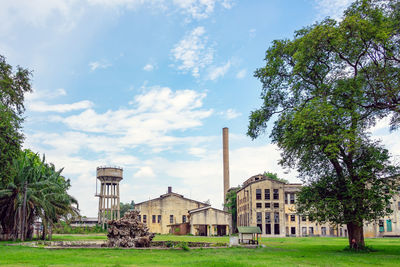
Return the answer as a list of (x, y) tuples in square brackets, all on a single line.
[(109, 200)]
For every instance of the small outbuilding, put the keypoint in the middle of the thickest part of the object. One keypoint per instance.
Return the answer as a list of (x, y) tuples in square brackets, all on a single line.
[(248, 234)]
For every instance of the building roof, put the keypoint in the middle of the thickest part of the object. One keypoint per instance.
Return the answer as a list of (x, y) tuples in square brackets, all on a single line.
[(257, 178), (169, 195), (206, 208), (249, 230)]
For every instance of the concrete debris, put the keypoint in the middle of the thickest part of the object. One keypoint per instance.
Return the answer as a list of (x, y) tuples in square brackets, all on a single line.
[(128, 232)]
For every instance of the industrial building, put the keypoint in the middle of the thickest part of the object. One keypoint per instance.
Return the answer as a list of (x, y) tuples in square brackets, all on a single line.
[(172, 213), (270, 205)]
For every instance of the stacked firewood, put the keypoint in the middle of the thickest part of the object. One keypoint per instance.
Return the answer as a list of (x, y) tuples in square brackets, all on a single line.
[(128, 232)]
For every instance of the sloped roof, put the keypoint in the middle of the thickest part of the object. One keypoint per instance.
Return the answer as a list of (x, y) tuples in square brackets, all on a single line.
[(249, 230), (206, 208), (170, 195)]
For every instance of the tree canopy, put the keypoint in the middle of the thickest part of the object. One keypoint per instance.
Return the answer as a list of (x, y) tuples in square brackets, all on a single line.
[(13, 86), (326, 88)]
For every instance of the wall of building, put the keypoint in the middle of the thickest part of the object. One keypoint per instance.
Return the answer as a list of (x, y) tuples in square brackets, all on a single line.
[(212, 218), (165, 206)]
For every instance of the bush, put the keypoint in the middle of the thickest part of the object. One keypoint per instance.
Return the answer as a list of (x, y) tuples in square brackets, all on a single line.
[(183, 245)]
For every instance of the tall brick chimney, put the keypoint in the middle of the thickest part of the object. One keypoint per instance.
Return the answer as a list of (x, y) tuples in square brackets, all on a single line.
[(169, 189), (225, 145)]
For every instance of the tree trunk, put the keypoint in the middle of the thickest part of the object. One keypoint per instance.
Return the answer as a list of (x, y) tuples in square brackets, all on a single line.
[(23, 219), (44, 231), (356, 236), (50, 232)]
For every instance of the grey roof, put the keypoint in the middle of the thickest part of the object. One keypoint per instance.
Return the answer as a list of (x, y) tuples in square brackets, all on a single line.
[(249, 230)]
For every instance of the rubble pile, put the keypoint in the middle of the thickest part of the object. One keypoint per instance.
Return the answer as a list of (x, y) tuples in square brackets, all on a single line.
[(128, 232)]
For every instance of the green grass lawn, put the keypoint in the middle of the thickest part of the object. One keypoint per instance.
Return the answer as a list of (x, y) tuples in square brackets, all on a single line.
[(278, 252)]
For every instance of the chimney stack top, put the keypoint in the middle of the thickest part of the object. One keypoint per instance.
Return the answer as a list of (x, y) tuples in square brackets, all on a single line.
[(169, 189)]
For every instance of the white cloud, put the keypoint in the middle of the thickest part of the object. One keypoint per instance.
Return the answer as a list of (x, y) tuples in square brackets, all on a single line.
[(148, 67), (331, 8), (144, 172), (241, 74), (192, 52), (39, 106), (217, 72), (231, 114), (99, 65), (35, 95), (252, 33), (155, 114)]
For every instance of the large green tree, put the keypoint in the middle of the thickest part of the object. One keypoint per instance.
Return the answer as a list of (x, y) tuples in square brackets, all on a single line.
[(325, 89), (13, 86)]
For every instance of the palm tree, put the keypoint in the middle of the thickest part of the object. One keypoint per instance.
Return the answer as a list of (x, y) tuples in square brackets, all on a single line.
[(36, 190)]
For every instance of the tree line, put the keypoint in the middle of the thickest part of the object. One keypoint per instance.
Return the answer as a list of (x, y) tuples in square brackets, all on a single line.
[(30, 188)]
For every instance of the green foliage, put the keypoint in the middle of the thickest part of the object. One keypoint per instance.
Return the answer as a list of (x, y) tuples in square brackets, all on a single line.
[(327, 87), (13, 85), (275, 177), (126, 207), (231, 204), (183, 245), (46, 196), (64, 228)]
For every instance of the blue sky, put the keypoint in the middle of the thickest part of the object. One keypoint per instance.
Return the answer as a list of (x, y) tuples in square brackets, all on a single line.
[(149, 85)]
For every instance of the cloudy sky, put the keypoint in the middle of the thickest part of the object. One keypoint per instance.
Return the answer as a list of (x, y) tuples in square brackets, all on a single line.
[(148, 85)]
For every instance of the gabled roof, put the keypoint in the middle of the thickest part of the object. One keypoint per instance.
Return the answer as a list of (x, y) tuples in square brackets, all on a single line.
[(249, 230), (170, 195), (206, 208)]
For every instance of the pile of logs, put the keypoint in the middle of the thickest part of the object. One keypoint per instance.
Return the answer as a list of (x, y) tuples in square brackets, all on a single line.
[(128, 232)]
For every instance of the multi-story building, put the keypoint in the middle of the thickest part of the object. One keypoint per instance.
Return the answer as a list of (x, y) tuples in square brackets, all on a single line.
[(270, 205)]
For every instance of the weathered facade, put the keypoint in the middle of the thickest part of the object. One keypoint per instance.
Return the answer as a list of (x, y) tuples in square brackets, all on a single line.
[(173, 213), (208, 221), (270, 205)]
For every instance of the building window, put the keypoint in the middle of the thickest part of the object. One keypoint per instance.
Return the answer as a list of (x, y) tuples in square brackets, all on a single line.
[(183, 218), (291, 198), (171, 218), (267, 194), (292, 218), (293, 230), (276, 194), (276, 217), (303, 218), (258, 205), (304, 231), (159, 219), (276, 205), (276, 229), (398, 205), (259, 217), (153, 218), (258, 194), (259, 226), (268, 229), (381, 227), (140, 218), (268, 217), (323, 231), (144, 218), (389, 225), (311, 230), (268, 205), (286, 198)]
